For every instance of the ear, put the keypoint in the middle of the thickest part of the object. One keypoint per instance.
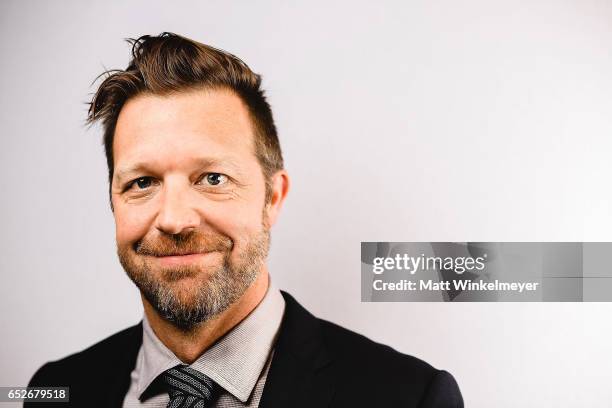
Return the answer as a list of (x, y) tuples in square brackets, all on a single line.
[(280, 187)]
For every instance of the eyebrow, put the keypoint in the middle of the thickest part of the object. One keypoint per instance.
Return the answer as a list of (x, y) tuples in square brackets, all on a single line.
[(139, 167)]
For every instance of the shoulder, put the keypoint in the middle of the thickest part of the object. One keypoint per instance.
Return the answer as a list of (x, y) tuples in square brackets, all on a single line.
[(114, 351), (368, 372), (402, 377), (354, 350)]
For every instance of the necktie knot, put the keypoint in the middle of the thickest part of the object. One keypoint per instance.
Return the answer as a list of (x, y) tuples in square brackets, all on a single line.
[(189, 388)]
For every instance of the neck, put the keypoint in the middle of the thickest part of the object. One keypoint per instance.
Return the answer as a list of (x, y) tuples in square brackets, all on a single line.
[(188, 346)]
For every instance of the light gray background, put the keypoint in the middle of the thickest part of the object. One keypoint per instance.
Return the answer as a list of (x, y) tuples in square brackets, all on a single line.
[(413, 121)]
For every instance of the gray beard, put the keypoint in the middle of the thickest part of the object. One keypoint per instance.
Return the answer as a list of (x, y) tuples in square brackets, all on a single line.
[(215, 293)]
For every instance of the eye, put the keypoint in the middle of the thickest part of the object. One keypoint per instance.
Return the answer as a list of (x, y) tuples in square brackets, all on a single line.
[(142, 183), (214, 179)]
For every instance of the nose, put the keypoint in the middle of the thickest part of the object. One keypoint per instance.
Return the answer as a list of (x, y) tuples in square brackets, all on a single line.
[(176, 214)]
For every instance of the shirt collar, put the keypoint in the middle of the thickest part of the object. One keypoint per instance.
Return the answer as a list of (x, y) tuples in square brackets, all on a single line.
[(234, 362)]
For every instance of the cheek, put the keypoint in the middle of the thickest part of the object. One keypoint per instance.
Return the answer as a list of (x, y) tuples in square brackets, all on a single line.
[(239, 222), (131, 224)]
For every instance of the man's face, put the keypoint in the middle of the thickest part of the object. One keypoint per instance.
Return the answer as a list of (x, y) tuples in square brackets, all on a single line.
[(189, 202)]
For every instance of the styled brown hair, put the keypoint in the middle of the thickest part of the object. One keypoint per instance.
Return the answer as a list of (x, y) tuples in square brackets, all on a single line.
[(170, 63)]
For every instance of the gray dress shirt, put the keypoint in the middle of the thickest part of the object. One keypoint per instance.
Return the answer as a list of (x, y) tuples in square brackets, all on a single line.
[(238, 362)]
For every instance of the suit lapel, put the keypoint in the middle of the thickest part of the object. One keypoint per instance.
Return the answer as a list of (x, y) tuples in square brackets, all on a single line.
[(122, 369), (301, 372)]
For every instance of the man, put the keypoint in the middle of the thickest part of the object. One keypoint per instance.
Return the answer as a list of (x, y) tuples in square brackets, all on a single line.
[(196, 181)]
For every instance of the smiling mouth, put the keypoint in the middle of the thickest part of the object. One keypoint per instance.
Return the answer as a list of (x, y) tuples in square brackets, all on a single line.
[(181, 254), (183, 259)]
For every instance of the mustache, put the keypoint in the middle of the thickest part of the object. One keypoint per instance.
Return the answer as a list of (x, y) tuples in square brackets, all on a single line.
[(190, 243)]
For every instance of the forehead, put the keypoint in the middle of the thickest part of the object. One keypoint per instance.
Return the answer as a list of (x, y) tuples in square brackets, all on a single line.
[(176, 128)]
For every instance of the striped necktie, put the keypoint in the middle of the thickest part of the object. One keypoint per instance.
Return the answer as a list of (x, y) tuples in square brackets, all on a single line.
[(189, 388)]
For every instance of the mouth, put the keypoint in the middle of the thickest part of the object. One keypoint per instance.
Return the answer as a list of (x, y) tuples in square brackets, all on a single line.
[(177, 259)]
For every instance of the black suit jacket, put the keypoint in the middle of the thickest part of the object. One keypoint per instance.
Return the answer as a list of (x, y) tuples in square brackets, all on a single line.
[(316, 364)]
